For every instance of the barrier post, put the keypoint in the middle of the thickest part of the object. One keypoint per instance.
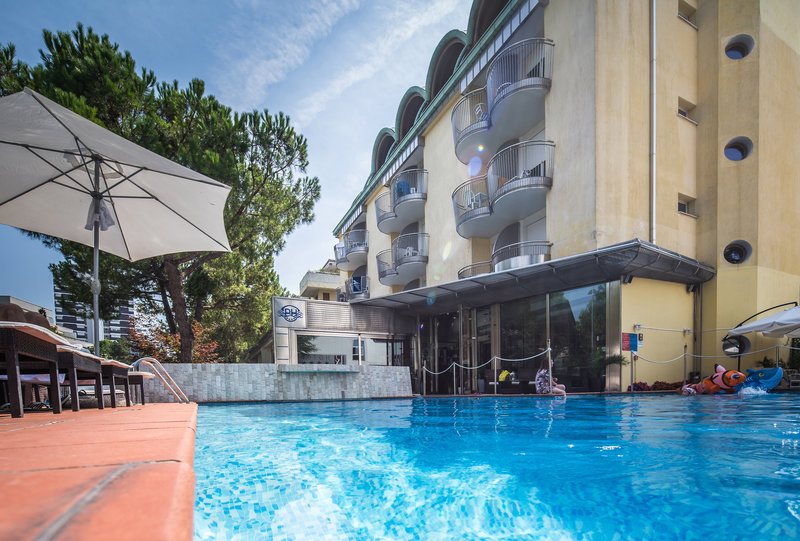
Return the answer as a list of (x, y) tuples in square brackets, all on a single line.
[(684, 363), (494, 366), (631, 371), (777, 355), (549, 366), (453, 366), (424, 379)]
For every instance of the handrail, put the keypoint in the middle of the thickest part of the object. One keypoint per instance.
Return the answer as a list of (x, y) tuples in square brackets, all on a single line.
[(162, 374)]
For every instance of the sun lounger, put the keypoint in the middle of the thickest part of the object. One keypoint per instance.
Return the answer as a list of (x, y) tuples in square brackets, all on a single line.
[(116, 372), (136, 379), (28, 349), (81, 366)]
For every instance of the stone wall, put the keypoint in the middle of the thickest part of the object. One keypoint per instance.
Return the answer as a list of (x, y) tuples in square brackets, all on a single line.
[(276, 382)]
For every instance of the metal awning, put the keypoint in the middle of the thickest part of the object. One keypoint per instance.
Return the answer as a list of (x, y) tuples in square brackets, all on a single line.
[(623, 261)]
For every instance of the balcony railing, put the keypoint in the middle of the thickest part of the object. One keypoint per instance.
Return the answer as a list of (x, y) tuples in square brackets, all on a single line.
[(471, 199), (528, 63), (528, 164), (386, 267), (410, 248), (475, 269), (410, 184), (383, 207), (521, 254), (355, 241), (469, 114), (351, 252), (356, 288)]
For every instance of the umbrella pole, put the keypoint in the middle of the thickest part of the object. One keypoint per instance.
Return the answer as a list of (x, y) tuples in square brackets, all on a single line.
[(95, 285), (96, 261)]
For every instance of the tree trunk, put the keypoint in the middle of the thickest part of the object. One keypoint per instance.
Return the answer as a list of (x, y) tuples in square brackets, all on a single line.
[(162, 286), (175, 288)]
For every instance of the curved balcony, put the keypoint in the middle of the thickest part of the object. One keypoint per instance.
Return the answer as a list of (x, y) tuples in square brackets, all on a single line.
[(406, 201), (387, 273), (356, 288), (351, 253), (404, 261), (516, 84), (384, 214), (518, 179), (472, 208), (470, 120), (475, 269), (520, 254)]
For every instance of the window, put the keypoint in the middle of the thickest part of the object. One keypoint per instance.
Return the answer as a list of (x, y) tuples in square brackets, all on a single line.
[(738, 149), (686, 110), (687, 13), (686, 205), (739, 46)]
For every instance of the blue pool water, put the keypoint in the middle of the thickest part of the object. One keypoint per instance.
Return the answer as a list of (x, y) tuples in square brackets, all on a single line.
[(592, 467)]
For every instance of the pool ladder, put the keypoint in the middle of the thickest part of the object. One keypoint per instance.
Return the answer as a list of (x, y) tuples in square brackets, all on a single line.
[(162, 374)]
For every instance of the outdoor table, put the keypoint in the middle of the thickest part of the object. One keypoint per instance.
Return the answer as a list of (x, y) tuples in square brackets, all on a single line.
[(81, 365), (28, 349)]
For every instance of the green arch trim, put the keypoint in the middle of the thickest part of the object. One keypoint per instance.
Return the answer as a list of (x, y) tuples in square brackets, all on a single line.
[(378, 138), (410, 94), (453, 36)]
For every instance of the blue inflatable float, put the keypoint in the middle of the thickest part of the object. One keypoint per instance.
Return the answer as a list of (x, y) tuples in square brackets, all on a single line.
[(762, 380)]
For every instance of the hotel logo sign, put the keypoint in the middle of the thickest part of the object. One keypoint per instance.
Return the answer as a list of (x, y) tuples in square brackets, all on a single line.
[(290, 313)]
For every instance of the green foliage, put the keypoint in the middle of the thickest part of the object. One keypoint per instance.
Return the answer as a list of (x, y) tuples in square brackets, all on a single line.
[(119, 350), (258, 154), (794, 355), (766, 362)]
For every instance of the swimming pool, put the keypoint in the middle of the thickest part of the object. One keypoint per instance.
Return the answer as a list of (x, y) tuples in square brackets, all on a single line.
[(590, 467)]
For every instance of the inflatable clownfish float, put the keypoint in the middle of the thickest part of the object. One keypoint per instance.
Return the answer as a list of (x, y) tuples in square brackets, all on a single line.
[(731, 381)]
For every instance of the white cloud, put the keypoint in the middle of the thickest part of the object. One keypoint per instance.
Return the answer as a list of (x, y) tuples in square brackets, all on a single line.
[(394, 33), (267, 40)]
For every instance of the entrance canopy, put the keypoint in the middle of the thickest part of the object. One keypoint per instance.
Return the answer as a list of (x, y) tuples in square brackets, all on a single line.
[(623, 261)]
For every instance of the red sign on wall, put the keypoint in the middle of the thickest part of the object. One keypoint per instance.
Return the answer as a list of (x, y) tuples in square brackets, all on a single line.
[(626, 341)]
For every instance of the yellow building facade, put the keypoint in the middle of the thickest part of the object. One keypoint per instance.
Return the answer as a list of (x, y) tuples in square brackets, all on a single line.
[(573, 172)]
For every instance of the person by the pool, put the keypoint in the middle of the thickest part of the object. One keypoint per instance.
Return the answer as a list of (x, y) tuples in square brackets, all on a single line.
[(542, 382)]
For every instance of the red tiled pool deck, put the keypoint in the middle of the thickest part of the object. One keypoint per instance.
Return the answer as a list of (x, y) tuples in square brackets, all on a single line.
[(124, 473)]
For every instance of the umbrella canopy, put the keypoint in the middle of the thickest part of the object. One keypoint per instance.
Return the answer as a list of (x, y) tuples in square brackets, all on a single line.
[(776, 325), (54, 163), (65, 176)]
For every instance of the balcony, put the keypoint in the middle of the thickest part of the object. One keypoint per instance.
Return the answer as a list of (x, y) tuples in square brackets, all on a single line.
[(356, 288), (387, 273), (405, 202), (517, 82), (470, 119), (475, 269), (519, 177), (404, 261), (515, 187), (351, 253), (520, 254), (472, 208), (510, 104)]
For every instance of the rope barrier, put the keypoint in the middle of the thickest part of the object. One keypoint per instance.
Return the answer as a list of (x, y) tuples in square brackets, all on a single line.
[(663, 329), (484, 364), (659, 362)]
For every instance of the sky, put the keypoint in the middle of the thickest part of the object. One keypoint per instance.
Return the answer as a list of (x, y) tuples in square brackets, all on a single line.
[(338, 68)]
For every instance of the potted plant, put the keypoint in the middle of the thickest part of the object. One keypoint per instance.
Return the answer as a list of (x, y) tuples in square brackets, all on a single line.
[(600, 364)]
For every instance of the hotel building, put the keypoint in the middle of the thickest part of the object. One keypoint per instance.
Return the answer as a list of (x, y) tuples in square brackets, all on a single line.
[(575, 173)]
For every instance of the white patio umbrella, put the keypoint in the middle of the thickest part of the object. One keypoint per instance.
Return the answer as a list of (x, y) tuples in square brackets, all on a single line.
[(65, 176), (776, 325)]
